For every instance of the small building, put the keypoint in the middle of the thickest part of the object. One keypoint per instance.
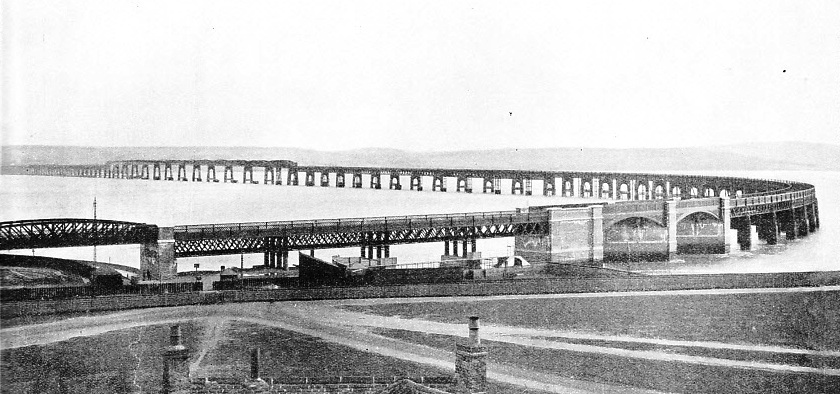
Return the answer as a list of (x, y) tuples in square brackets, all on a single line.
[(228, 274)]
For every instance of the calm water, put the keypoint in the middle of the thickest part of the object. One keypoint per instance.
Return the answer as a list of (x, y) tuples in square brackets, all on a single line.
[(174, 203)]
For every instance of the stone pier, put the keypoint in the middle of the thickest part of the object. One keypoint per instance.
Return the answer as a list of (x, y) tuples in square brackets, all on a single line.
[(157, 259)]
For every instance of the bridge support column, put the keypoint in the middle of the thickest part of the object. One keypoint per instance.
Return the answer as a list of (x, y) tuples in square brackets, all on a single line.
[(575, 236), (464, 183), (268, 176), (211, 173), (812, 216), (726, 218), (455, 247), (548, 187), (196, 173), (156, 172), (325, 179), (671, 223), (284, 259), (438, 183), (768, 228), (488, 185), (816, 209), (394, 183), (376, 181), (446, 248), (339, 179), (790, 224), (270, 245), (293, 177), (248, 175), (182, 172), (228, 178), (804, 223), (746, 232), (157, 259)]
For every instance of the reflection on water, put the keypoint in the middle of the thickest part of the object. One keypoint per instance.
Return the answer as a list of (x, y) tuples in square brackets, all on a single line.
[(170, 203)]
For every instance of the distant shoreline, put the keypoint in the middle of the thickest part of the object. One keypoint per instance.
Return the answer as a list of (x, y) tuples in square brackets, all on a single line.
[(760, 156)]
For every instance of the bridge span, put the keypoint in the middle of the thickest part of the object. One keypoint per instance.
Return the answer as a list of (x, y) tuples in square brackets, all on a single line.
[(632, 216)]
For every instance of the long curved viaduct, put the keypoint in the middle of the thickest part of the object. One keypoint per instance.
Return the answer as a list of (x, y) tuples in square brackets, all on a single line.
[(632, 216)]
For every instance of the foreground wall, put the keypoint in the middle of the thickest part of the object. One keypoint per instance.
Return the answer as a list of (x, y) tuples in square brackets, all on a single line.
[(519, 286)]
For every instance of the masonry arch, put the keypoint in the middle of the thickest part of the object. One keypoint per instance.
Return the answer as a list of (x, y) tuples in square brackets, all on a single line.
[(635, 229), (699, 223)]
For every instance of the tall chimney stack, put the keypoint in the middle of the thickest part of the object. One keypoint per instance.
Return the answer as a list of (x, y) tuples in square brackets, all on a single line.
[(176, 372), (471, 362)]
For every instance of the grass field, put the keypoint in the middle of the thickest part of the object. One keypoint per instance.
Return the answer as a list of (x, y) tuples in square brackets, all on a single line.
[(290, 354), (649, 374), (806, 320), (131, 360), (125, 361)]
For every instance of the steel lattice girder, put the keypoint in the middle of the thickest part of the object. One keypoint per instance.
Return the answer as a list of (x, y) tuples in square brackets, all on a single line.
[(53, 233), (211, 247), (765, 208)]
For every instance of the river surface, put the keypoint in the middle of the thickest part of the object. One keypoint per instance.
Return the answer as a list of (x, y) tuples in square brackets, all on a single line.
[(176, 203)]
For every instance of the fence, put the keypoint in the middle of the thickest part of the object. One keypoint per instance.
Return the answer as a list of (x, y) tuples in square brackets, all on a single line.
[(482, 288), (64, 292)]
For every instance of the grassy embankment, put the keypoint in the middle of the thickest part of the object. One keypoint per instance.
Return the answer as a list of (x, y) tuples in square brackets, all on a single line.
[(804, 320)]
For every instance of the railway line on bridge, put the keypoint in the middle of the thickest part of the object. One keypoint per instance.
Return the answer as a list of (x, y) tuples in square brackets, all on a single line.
[(631, 215)]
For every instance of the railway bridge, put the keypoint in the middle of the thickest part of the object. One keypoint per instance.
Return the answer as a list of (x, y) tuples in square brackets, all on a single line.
[(631, 216)]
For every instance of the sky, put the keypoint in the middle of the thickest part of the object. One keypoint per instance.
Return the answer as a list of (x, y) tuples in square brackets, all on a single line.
[(419, 75)]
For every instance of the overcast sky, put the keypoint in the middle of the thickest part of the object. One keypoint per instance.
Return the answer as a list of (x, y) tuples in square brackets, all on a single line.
[(419, 75)]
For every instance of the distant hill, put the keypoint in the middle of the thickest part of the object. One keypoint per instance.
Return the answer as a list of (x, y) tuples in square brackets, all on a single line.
[(759, 156)]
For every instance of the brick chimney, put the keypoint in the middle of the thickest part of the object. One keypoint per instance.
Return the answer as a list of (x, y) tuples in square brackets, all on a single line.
[(471, 363), (176, 370)]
